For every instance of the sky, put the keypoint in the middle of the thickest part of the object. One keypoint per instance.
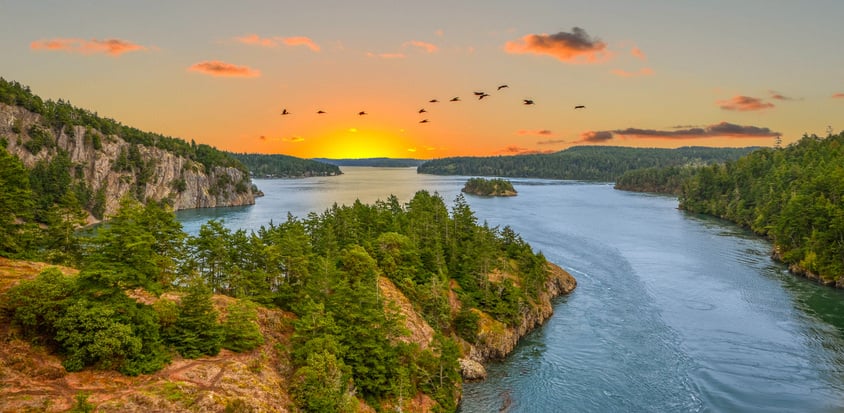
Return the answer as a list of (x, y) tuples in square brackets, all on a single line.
[(648, 73)]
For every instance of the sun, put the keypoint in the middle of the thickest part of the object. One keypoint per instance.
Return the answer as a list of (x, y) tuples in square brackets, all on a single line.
[(362, 143)]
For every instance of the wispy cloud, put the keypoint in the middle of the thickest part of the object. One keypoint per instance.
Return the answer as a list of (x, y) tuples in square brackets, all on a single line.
[(838, 95), (744, 104), (411, 149), (595, 136), (551, 142), (111, 47), (275, 41), (534, 132), (427, 47), (778, 96), (574, 47), (386, 55), (645, 71), (293, 139), (222, 69), (638, 53), (718, 130)]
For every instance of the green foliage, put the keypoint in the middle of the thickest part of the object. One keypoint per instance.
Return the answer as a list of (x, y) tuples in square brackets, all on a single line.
[(667, 180), (597, 163), (466, 325), (38, 139), (82, 404), (16, 204), (283, 166), (240, 328), (38, 304), (323, 385), (794, 195), (196, 332), (489, 187)]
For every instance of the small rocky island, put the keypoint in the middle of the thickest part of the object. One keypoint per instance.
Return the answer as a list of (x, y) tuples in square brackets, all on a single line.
[(489, 187)]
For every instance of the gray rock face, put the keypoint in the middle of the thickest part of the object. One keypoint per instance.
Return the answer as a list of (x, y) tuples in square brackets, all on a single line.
[(186, 183)]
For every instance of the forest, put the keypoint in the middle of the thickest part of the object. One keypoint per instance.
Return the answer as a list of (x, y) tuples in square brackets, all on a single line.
[(793, 195), (283, 166), (590, 163), (489, 187), (324, 268)]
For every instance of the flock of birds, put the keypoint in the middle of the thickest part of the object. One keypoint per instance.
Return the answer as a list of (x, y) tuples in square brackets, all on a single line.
[(479, 95)]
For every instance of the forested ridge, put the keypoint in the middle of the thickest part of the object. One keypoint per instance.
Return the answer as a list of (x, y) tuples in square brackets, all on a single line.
[(284, 166), (593, 163), (60, 115), (793, 195), (325, 268)]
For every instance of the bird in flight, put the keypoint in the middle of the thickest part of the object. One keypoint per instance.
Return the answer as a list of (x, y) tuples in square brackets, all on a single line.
[(361, 113), (528, 101), (285, 112), (479, 93), (320, 112), (423, 121), (433, 101), (455, 99), (422, 110), (502, 87), (580, 107), (482, 95)]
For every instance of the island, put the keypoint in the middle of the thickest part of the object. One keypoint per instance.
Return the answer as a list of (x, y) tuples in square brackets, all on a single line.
[(489, 187)]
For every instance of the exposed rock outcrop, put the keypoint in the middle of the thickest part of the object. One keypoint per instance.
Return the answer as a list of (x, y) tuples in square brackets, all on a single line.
[(184, 182)]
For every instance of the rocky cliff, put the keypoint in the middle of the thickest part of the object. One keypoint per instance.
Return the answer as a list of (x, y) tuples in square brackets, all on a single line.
[(115, 168)]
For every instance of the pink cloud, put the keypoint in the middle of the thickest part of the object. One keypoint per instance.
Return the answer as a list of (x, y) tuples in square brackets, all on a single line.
[(222, 69), (645, 71), (275, 41), (428, 47), (574, 47), (838, 95), (638, 53), (551, 142), (744, 104), (386, 55), (111, 47), (595, 136)]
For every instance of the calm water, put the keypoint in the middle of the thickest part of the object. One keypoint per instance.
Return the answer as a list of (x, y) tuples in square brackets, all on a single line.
[(673, 312)]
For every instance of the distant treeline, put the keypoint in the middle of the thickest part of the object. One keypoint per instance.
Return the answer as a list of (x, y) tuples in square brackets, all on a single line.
[(375, 162), (594, 163), (62, 116), (283, 166)]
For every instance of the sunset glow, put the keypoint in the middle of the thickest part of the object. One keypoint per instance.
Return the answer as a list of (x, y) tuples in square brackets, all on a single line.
[(226, 75)]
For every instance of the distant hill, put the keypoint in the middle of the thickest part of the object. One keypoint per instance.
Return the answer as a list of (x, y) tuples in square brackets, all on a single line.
[(284, 166), (593, 163), (375, 162)]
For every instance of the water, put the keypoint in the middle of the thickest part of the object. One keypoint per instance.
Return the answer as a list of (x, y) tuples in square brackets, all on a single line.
[(673, 312)]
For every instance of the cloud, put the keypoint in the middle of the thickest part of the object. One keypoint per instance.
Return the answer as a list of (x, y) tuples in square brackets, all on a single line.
[(744, 104), (439, 32), (428, 47), (723, 129), (638, 53), (111, 47), (595, 136), (838, 95), (645, 71), (537, 132), (513, 149), (301, 41), (778, 96), (293, 139), (275, 41), (574, 47), (411, 149), (222, 69), (386, 55), (551, 142)]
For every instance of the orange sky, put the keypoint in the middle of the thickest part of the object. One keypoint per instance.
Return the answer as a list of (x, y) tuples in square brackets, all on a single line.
[(663, 74)]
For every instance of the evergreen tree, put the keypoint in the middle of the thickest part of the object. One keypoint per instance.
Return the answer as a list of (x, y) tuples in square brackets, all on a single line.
[(196, 332)]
